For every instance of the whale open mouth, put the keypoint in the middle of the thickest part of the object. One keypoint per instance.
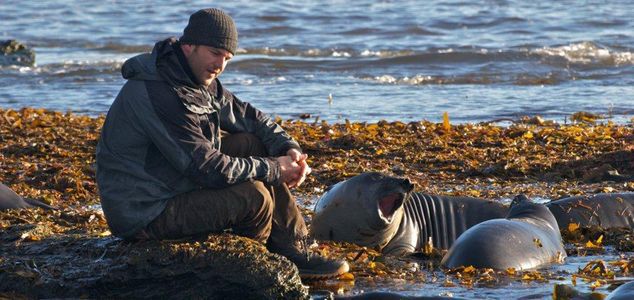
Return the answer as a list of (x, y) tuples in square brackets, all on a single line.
[(389, 204)]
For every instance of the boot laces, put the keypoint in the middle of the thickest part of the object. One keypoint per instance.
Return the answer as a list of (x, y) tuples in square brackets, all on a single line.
[(304, 246)]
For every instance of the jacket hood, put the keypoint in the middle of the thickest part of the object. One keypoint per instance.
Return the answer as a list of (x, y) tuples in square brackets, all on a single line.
[(140, 67), (162, 64), (166, 63)]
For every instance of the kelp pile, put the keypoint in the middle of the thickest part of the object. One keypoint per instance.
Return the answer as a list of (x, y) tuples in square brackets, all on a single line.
[(50, 156), (531, 156)]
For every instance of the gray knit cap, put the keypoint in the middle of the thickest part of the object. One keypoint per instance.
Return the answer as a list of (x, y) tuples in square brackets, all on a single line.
[(211, 27)]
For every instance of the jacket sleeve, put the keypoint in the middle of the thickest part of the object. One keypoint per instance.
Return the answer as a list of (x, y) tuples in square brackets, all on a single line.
[(238, 116), (178, 136)]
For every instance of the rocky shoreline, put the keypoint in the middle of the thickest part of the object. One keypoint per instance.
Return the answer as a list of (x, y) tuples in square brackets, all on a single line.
[(38, 265), (49, 156)]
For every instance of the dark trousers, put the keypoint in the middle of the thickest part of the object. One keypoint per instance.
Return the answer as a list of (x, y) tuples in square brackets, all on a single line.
[(252, 209)]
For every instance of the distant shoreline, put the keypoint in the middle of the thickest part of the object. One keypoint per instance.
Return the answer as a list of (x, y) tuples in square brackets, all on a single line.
[(579, 117)]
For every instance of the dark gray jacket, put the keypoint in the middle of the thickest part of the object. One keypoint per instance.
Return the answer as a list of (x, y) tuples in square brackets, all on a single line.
[(161, 138)]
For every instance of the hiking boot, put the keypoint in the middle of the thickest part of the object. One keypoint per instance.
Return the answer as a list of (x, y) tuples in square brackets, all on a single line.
[(312, 266)]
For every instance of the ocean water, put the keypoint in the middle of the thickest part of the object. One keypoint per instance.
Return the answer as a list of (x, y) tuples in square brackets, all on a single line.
[(358, 60)]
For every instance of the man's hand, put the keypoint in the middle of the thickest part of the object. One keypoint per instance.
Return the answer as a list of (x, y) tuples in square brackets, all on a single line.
[(295, 155), (294, 168), (300, 158)]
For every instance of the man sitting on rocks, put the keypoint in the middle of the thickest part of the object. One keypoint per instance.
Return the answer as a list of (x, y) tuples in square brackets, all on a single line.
[(181, 156)]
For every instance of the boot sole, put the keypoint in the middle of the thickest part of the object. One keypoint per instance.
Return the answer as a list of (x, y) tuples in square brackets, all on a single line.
[(321, 276)]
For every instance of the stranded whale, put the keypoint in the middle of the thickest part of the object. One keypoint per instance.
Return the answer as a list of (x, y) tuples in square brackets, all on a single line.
[(373, 209), (10, 200), (527, 238)]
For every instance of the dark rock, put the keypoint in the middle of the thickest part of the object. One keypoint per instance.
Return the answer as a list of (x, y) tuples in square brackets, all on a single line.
[(615, 166), (604, 173), (80, 266), (13, 52), (562, 291)]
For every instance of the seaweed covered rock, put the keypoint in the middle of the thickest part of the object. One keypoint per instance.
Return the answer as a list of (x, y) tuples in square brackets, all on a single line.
[(77, 265), (13, 52)]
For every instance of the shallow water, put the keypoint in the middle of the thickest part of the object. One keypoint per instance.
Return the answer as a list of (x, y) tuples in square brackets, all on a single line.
[(393, 60), (433, 282)]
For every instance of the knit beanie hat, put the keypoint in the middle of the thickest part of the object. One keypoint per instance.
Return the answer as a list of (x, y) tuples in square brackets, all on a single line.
[(211, 27)]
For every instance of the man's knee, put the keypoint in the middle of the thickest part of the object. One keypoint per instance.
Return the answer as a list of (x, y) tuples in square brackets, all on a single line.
[(263, 200)]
